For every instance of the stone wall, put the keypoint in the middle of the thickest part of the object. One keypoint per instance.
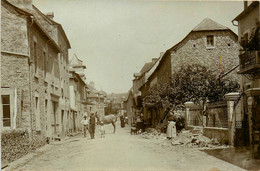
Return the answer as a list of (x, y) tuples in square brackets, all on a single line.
[(221, 134), (14, 36), (41, 85), (15, 75), (18, 142), (64, 81), (163, 71), (14, 62), (193, 50), (14, 144)]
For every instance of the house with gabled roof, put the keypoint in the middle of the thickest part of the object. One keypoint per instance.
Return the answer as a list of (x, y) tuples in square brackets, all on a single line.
[(56, 31), (78, 101), (78, 65), (96, 99), (129, 105), (209, 44), (31, 90), (138, 81)]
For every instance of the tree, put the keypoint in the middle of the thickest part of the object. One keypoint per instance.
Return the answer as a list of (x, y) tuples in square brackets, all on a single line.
[(194, 83), (111, 108)]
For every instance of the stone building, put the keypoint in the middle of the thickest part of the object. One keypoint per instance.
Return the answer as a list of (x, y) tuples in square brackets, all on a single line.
[(59, 36), (129, 105), (249, 37), (42, 76), (31, 89), (77, 101), (78, 93), (139, 81), (208, 44), (96, 100)]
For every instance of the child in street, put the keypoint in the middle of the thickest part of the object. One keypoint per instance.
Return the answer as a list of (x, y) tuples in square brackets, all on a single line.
[(85, 122), (102, 130)]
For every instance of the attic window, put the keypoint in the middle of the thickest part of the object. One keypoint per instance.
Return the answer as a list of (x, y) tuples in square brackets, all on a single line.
[(210, 41)]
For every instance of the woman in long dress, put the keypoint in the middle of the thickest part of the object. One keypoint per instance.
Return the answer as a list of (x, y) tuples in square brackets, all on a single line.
[(171, 130)]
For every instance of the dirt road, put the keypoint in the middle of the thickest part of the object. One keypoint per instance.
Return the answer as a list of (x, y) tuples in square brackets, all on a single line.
[(122, 151)]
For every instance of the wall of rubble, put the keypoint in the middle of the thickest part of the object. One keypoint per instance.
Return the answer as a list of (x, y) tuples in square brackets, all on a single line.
[(15, 144)]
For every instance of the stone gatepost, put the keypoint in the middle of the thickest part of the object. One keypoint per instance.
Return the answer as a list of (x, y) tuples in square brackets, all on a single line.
[(231, 98), (250, 101), (188, 105)]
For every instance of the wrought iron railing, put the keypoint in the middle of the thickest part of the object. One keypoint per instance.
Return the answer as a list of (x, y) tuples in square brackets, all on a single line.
[(195, 122), (241, 124), (249, 58)]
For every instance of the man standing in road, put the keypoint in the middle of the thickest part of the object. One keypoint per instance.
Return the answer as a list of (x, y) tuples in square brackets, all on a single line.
[(84, 122), (92, 123)]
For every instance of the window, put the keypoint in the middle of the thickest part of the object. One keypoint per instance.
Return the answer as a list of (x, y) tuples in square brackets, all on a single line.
[(38, 126), (61, 58), (35, 57), (62, 93), (45, 64), (6, 111), (210, 41)]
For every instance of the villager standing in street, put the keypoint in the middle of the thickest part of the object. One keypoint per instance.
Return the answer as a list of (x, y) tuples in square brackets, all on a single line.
[(92, 124), (171, 126), (102, 130), (85, 122), (122, 119)]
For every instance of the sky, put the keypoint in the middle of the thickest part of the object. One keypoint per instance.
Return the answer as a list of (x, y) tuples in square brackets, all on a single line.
[(115, 38)]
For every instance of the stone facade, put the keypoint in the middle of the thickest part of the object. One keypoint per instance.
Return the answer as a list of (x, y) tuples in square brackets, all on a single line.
[(45, 86), (77, 99), (57, 33), (163, 71), (78, 94), (95, 100), (128, 106), (221, 57), (249, 37), (15, 66), (193, 50), (32, 65)]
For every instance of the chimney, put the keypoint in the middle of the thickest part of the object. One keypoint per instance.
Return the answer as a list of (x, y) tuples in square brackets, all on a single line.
[(23, 4), (245, 4), (161, 54), (50, 15), (92, 84), (154, 60)]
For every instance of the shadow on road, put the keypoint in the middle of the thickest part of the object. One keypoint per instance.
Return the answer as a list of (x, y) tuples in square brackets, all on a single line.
[(240, 157)]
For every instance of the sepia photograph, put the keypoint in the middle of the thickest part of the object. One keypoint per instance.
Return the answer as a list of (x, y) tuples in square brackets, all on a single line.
[(130, 85)]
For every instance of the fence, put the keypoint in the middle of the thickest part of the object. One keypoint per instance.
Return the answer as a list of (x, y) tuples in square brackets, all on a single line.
[(217, 115)]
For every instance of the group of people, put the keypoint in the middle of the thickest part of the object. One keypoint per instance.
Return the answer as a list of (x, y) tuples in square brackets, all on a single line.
[(90, 125)]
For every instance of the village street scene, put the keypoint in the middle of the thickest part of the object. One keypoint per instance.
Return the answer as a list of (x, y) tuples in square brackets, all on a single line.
[(130, 85)]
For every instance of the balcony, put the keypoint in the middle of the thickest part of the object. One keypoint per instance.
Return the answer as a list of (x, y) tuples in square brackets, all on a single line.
[(249, 62)]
